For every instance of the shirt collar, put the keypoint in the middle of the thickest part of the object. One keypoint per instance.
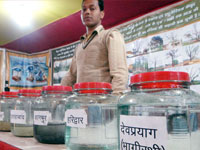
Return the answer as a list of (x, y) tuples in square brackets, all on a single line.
[(98, 29)]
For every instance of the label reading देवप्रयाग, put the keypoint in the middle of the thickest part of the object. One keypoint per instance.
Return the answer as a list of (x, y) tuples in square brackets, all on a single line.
[(142, 132)]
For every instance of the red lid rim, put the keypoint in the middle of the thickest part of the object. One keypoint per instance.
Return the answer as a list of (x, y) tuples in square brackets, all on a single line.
[(93, 86), (31, 91), (160, 76), (10, 93), (57, 88)]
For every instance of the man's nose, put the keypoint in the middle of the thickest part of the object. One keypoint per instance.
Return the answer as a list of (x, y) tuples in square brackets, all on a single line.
[(87, 11)]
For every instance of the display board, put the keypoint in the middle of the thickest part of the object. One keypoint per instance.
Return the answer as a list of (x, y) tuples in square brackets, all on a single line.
[(24, 71), (61, 59), (168, 39)]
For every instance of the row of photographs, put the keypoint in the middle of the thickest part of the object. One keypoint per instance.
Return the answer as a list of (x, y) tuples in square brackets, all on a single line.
[(175, 50), (168, 40)]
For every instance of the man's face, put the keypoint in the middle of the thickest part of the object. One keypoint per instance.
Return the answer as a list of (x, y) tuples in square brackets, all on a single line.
[(91, 15)]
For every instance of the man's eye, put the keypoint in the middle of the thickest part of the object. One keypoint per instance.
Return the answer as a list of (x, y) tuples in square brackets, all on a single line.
[(84, 9), (92, 8)]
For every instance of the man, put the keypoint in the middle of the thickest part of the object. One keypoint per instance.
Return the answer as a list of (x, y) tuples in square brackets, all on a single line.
[(101, 55)]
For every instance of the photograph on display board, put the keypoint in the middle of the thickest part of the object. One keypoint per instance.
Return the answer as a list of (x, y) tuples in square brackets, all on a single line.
[(28, 71), (156, 43), (60, 68), (61, 60)]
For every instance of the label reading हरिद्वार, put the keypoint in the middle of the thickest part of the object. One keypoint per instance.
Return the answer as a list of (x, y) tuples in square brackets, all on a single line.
[(1, 116), (76, 118), (18, 116), (42, 117), (142, 132)]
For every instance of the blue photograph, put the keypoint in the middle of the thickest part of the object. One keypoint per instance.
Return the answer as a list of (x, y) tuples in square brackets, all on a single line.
[(28, 72)]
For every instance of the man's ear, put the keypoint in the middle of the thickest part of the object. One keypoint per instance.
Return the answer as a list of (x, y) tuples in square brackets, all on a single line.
[(102, 15)]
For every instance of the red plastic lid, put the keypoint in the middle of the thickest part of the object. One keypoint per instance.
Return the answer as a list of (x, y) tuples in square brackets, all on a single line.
[(30, 92), (93, 87), (10, 94), (57, 88), (160, 79)]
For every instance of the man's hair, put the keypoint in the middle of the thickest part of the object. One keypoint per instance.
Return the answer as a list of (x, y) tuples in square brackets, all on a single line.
[(101, 4)]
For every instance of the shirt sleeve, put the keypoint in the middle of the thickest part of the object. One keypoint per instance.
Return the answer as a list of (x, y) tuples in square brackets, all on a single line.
[(70, 78), (117, 61)]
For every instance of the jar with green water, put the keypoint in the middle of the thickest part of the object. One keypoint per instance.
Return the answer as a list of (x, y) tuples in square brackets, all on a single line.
[(21, 116), (6, 104)]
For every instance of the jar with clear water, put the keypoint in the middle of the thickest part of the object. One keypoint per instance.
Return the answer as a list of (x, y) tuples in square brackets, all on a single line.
[(160, 113), (6, 104), (21, 116), (91, 118), (49, 111)]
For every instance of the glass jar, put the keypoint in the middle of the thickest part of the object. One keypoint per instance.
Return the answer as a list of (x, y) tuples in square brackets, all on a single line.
[(49, 111), (22, 114), (91, 118), (6, 104), (160, 112)]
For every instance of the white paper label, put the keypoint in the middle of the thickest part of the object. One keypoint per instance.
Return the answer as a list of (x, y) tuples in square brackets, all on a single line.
[(1, 116), (18, 116), (42, 117), (76, 118), (142, 132)]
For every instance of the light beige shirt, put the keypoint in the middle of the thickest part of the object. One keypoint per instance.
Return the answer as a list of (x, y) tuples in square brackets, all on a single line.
[(103, 59)]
